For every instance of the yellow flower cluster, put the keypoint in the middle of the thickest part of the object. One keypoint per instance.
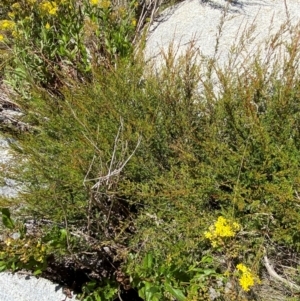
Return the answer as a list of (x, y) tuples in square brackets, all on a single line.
[(6, 26), (25, 250), (247, 278), (49, 7), (45, 7), (16, 6), (221, 229), (101, 3)]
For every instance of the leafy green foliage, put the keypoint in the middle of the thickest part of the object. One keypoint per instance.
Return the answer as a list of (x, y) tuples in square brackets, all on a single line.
[(95, 291), (6, 219), (159, 279), (55, 40), (132, 168)]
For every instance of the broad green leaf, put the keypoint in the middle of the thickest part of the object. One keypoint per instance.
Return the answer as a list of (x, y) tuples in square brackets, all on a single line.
[(209, 272), (206, 259), (63, 234), (2, 266), (37, 272), (175, 292), (97, 297), (148, 261), (6, 220)]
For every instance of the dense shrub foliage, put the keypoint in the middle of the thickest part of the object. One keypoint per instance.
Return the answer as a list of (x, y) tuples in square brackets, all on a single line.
[(164, 182)]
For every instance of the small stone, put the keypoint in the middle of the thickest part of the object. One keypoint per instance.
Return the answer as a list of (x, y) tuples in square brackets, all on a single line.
[(213, 294)]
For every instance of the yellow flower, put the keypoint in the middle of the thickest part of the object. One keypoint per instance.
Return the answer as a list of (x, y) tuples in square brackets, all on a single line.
[(47, 26), (122, 11), (241, 267), (11, 15), (49, 7), (8, 242), (221, 229), (247, 279), (1, 38), (94, 2), (208, 235), (16, 6), (133, 22), (104, 4), (15, 34), (7, 25)]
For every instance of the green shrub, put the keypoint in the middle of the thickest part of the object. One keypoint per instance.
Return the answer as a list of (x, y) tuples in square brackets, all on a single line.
[(145, 164), (55, 40)]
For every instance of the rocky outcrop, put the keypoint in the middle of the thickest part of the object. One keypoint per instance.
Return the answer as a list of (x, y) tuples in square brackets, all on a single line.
[(24, 287), (219, 29)]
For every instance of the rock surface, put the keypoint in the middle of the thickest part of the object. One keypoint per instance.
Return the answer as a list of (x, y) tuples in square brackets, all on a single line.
[(8, 187), (201, 21), (16, 287)]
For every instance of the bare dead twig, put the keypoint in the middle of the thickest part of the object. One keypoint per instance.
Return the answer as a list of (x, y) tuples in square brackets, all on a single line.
[(111, 173), (277, 277)]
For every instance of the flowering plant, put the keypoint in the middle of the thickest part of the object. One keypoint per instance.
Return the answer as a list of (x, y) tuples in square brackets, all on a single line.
[(247, 277), (55, 39), (222, 229)]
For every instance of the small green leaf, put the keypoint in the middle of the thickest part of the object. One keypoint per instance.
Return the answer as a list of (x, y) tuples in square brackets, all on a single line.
[(63, 234), (97, 296), (6, 220), (206, 259), (2, 266), (175, 292), (37, 272), (148, 261)]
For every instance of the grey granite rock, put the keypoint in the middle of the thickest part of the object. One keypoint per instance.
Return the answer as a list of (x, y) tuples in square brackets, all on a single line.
[(8, 187), (16, 287), (200, 21)]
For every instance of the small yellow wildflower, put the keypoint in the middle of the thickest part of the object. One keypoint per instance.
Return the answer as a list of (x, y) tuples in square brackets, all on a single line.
[(47, 26), (8, 242), (121, 11), (133, 22), (16, 6), (11, 15), (104, 4), (49, 7), (94, 2), (31, 2), (15, 34), (7, 24), (241, 267), (247, 279), (221, 229), (1, 38), (208, 235)]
